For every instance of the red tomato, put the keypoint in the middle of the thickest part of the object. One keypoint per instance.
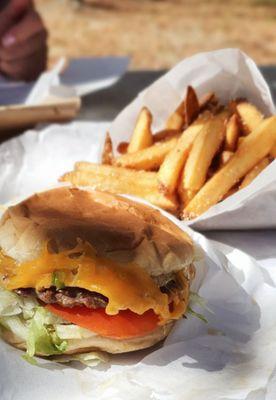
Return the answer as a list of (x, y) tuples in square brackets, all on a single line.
[(124, 325)]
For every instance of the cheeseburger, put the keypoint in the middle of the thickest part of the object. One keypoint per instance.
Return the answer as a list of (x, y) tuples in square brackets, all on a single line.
[(82, 271)]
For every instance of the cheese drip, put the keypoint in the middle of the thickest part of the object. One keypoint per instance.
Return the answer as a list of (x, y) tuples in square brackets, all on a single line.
[(127, 286)]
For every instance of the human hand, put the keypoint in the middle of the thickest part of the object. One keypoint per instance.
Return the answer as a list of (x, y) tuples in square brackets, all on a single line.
[(23, 41)]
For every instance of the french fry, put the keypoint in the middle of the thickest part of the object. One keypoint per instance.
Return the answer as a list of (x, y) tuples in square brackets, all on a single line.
[(177, 119), (142, 135), (165, 134), (208, 102), (147, 159), (251, 175), (169, 172), (186, 112), (250, 116), (203, 151), (224, 157), (121, 181), (107, 155), (240, 140), (252, 150), (232, 133), (122, 147), (186, 195), (230, 192), (145, 177), (273, 151), (191, 106)]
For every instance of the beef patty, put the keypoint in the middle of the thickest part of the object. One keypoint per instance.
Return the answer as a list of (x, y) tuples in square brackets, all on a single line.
[(74, 296)]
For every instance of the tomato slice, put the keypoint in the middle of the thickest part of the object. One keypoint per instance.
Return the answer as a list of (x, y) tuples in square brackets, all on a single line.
[(124, 325)]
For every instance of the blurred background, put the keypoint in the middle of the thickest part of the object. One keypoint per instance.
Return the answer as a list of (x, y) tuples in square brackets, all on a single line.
[(158, 33)]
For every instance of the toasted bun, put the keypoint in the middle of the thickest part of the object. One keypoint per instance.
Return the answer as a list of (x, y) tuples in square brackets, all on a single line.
[(116, 227), (95, 342)]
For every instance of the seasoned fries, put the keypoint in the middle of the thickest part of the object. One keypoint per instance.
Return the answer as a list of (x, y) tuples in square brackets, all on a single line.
[(107, 156), (170, 170), (205, 153), (122, 147), (185, 195), (232, 133), (177, 119), (273, 151), (225, 157), (252, 150), (249, 115), (208, 102), (121, 181), (147, 159), (165, 134), (186, 112), (142, 136), (251, 175), (191, 106)]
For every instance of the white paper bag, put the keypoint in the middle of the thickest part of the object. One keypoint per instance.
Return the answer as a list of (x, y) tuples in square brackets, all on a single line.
[(230, 74)]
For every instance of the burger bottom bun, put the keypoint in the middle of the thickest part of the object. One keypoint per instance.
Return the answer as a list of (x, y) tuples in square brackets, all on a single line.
[(99, 343)]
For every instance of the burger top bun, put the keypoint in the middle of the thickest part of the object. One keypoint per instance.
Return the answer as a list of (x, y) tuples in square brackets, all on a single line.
[(117, 228)]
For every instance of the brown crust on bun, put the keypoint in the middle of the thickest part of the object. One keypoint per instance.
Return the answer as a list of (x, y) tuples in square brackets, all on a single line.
[(116, 227)]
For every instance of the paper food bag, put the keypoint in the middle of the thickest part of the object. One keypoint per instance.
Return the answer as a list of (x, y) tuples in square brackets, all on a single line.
[(230, 74)]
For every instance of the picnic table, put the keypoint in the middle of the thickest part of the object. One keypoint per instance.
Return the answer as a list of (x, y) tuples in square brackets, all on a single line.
[(106, 104)]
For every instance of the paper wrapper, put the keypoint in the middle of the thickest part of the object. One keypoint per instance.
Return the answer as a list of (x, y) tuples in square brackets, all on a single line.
[(231, 357), (78, 77), (230, 74)]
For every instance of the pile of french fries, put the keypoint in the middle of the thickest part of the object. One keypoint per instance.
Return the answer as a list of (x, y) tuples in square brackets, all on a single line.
[(205, 153)]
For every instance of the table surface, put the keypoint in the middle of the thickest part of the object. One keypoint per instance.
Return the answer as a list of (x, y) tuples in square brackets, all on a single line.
[(106, 104)]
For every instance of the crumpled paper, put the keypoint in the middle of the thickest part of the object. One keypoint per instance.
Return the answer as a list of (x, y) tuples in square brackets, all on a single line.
[(36, 159), (229, 358), (229, 73), (79, 77)]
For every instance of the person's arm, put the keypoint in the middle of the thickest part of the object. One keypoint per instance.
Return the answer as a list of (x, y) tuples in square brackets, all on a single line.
[(23, 41)]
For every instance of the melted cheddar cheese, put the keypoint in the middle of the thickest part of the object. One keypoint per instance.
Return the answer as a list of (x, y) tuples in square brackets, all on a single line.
[(127, 286)]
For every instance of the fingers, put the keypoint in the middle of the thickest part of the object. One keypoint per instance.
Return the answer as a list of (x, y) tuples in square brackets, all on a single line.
[(16, 7), (29, 26), (25, 49), (26, 69), (14, 10)]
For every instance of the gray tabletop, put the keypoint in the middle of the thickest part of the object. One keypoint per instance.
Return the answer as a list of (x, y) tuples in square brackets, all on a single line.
[(106, 104)]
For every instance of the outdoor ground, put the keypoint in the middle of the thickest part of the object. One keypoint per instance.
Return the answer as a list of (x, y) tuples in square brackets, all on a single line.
[(159, 33)]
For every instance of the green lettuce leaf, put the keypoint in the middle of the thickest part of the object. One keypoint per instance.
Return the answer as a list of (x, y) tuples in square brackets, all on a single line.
[(195, 300), (42, 337), (9, 304), (57, 280)]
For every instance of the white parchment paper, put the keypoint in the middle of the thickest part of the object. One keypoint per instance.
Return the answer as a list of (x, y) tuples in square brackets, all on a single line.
[(229, 358), (230, 74), (78, 77)]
